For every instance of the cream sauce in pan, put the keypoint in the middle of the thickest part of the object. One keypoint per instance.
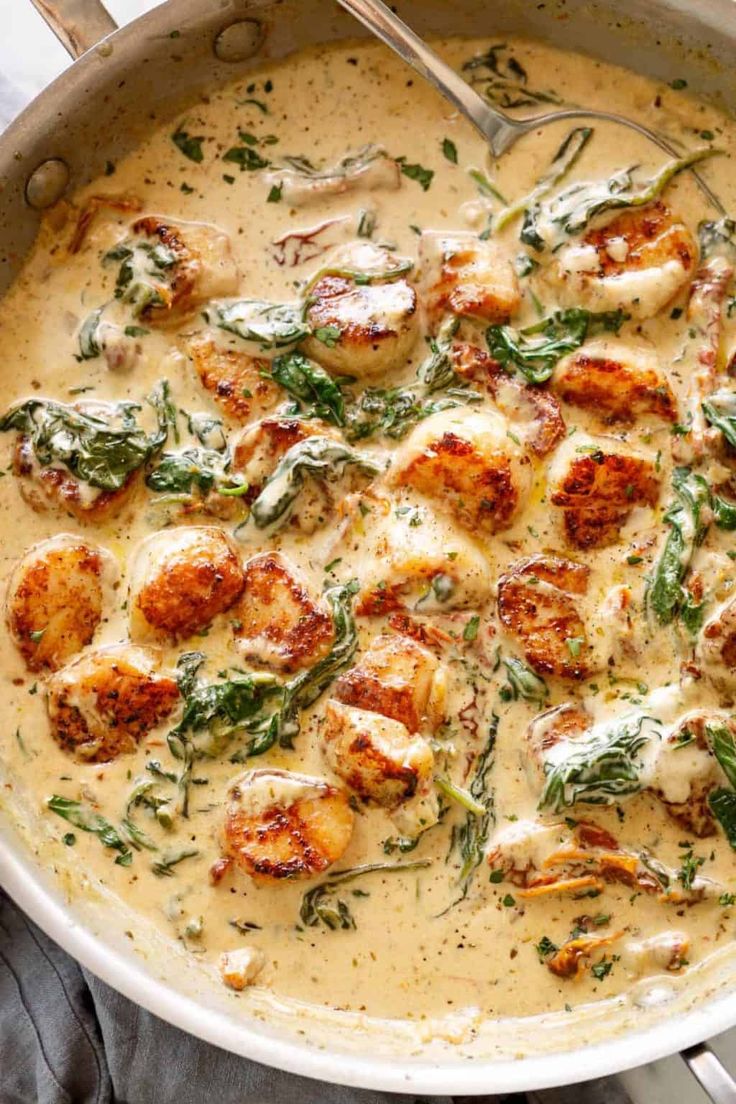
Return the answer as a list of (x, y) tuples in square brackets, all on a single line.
[(415, 943)]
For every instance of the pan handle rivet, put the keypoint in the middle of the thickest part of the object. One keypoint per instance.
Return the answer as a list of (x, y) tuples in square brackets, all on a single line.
[(240, 40), (47, 184)]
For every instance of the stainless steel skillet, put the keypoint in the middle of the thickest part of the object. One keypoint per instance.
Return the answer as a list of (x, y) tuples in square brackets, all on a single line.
[(102, 106)]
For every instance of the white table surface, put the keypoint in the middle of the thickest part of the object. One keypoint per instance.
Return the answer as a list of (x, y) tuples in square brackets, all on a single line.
[(30, 57)]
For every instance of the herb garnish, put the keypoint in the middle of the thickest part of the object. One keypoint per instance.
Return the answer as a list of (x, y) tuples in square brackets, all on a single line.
[(503, 80), (665, 596), (563, 161), (450, 150), (189, 145), (524, 683), (423, 177), (268, 325), (471, 836), (571, 210), (215, 712), (314, 389), (163, 867)]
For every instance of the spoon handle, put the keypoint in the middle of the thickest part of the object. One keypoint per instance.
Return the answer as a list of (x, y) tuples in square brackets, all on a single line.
[(495, 127)]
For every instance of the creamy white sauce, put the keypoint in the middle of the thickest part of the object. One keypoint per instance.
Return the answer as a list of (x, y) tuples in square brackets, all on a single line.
[(408, 957)]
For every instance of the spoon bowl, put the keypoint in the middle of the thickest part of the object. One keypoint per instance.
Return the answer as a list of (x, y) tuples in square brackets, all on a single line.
[(501, 131)]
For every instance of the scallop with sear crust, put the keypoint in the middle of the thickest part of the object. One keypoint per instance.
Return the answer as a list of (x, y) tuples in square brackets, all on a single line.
[(398, 678), (234, 379), (636, 262), (376, 756), (537, 607), (597, 482), (277, 623), (615, 381), (56, 599), (182, 579), (104, 703), (468, 463), (283, 825)]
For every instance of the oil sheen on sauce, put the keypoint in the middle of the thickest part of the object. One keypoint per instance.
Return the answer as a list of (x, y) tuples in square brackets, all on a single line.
[(414, 946)]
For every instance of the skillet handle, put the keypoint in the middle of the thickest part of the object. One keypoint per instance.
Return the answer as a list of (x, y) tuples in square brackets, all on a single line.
[(78, 24), (710, 1073)]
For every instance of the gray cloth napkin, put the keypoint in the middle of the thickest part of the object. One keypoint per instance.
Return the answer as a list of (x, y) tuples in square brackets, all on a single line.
[(66, 1038)]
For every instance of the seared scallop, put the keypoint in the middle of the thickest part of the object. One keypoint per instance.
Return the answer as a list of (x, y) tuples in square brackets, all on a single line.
[(553, 726), (469, 464), (685, 771), (377, 757), (56, 599), (637, 262), (280, 824), (398, 678), (533, 412), (167, 269), (256, 452), (412, 557), (716, 649), (57, 488), (616, 381), (105, 702), (362, 315), (597, 482), (467, 277), (182, 579), (536, 605), (277, 623), (234, 379)]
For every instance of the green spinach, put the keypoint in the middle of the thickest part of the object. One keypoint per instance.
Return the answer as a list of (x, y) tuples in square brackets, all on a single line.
[(319, 457), (665, 594), (268, 325), (535, 350)]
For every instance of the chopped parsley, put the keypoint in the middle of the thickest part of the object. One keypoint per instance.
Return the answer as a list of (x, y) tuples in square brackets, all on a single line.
[(422, 176), (190, 145)]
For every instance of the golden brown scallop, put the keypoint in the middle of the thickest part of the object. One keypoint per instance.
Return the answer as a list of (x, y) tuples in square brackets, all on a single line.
[(398, 678), (597, 483), (277, 623), (362, 314), (182, 579), (52, 488), (283, 825), (468, 277), (104, 703), (467, 462), (536, 605), (377, 757), (174, 267), (616, 382), (234, 379), (637, 262), (533, 412), (56, 598)]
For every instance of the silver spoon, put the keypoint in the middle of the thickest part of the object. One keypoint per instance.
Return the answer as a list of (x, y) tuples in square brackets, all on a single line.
[(499, 130)]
